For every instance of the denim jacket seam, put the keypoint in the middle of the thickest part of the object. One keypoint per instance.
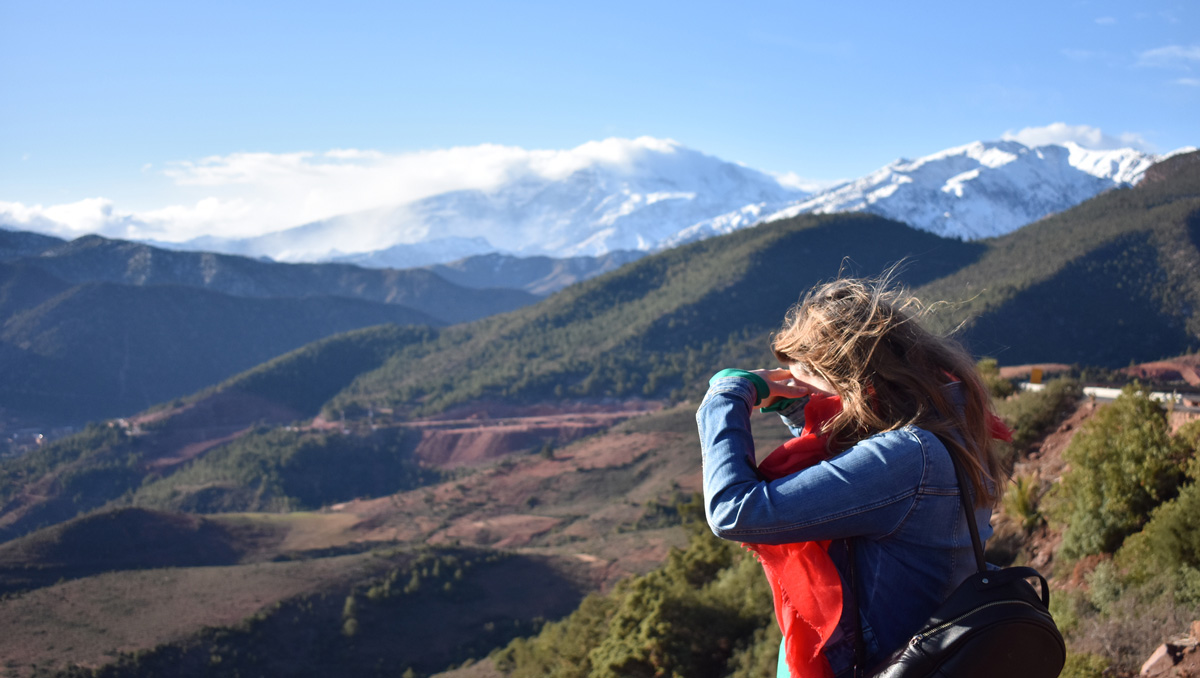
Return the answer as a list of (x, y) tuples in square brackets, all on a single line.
[(925, 488), (921, 485)]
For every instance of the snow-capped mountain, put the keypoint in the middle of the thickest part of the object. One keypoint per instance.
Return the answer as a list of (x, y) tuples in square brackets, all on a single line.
[(644, 195), (631, 195), (982, 189)]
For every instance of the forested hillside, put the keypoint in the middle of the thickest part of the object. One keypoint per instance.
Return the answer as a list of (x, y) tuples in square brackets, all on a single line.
[(96, 259), (104, 462), (105, 350), (98, 328), (655, 328)]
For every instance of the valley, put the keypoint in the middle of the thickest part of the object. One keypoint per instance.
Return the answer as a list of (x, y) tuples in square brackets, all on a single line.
[(413, 495), (603, 511)]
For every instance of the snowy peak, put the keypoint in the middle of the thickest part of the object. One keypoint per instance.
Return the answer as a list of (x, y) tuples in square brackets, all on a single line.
[(981, 189), (1123, 166), (601, 197)]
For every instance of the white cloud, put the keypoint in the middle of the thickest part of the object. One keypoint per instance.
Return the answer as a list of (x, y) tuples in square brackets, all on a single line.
[(1190, 82), (67, 220), (353, 154), (793, 180), (98, 215), (1084, 135), (1171, 56), (1106, 20), (247, 194)]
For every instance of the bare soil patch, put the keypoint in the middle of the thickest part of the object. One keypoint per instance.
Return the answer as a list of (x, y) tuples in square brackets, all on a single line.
[(451, 443), (180, 434), (1184, 368), (1023, 371)]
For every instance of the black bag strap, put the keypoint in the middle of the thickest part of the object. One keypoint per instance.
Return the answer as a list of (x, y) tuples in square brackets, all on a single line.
[(1011, 574), (1008, 573), (968, 504)]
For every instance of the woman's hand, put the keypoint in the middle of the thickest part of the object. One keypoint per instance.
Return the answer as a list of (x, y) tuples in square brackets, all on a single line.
[(785, 385)]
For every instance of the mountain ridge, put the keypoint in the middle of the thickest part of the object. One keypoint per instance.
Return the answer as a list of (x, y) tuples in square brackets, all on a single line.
[(94, 258)]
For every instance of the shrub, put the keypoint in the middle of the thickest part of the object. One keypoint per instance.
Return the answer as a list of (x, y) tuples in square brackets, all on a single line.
[(1021, 502), (1123, 464), (1083, 665), (1133, 621), (1032, 414), (1171, 539), (1169, 544), (999, 387), (688, 618)]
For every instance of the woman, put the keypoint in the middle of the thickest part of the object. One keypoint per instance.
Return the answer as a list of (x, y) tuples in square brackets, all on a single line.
[(909, 400)]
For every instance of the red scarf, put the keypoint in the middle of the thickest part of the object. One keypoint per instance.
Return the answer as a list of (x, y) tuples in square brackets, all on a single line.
[(805, 584)]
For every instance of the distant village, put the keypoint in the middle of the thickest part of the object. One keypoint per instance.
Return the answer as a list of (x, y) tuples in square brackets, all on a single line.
[(16, 442)]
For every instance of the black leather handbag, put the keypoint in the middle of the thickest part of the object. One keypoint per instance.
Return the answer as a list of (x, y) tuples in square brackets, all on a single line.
[(994, 625)]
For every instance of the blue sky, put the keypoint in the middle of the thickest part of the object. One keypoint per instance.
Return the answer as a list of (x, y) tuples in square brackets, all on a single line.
[(102, 100)]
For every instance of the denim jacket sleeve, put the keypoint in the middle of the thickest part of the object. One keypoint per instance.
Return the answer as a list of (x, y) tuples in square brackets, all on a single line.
[(867, 490)]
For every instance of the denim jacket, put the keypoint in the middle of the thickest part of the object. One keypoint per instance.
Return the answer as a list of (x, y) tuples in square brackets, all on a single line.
[(894, 493)]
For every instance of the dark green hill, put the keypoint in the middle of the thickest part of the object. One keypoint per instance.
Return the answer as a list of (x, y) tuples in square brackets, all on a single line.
[(401, 613), (57, 481), (96, 327), (23, 287), (282, 470), (96, 259), (306, 378), (17, 244), (102, 350), (123, 539), (1115, 279), (656, 327)]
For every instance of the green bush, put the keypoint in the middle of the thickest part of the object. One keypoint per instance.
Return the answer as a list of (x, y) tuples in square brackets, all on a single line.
[(1083, 665), (1170, 542), (1171, 539), (1021, 502), (686, 619), (1033, 414), (999, 387), (1122, 464)]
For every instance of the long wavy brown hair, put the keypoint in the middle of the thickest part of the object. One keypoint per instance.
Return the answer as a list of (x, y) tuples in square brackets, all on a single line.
[(863, 337)]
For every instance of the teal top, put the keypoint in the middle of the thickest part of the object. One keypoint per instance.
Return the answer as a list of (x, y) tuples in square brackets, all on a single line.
[(760, 384), (760, 388), (781, 669)]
